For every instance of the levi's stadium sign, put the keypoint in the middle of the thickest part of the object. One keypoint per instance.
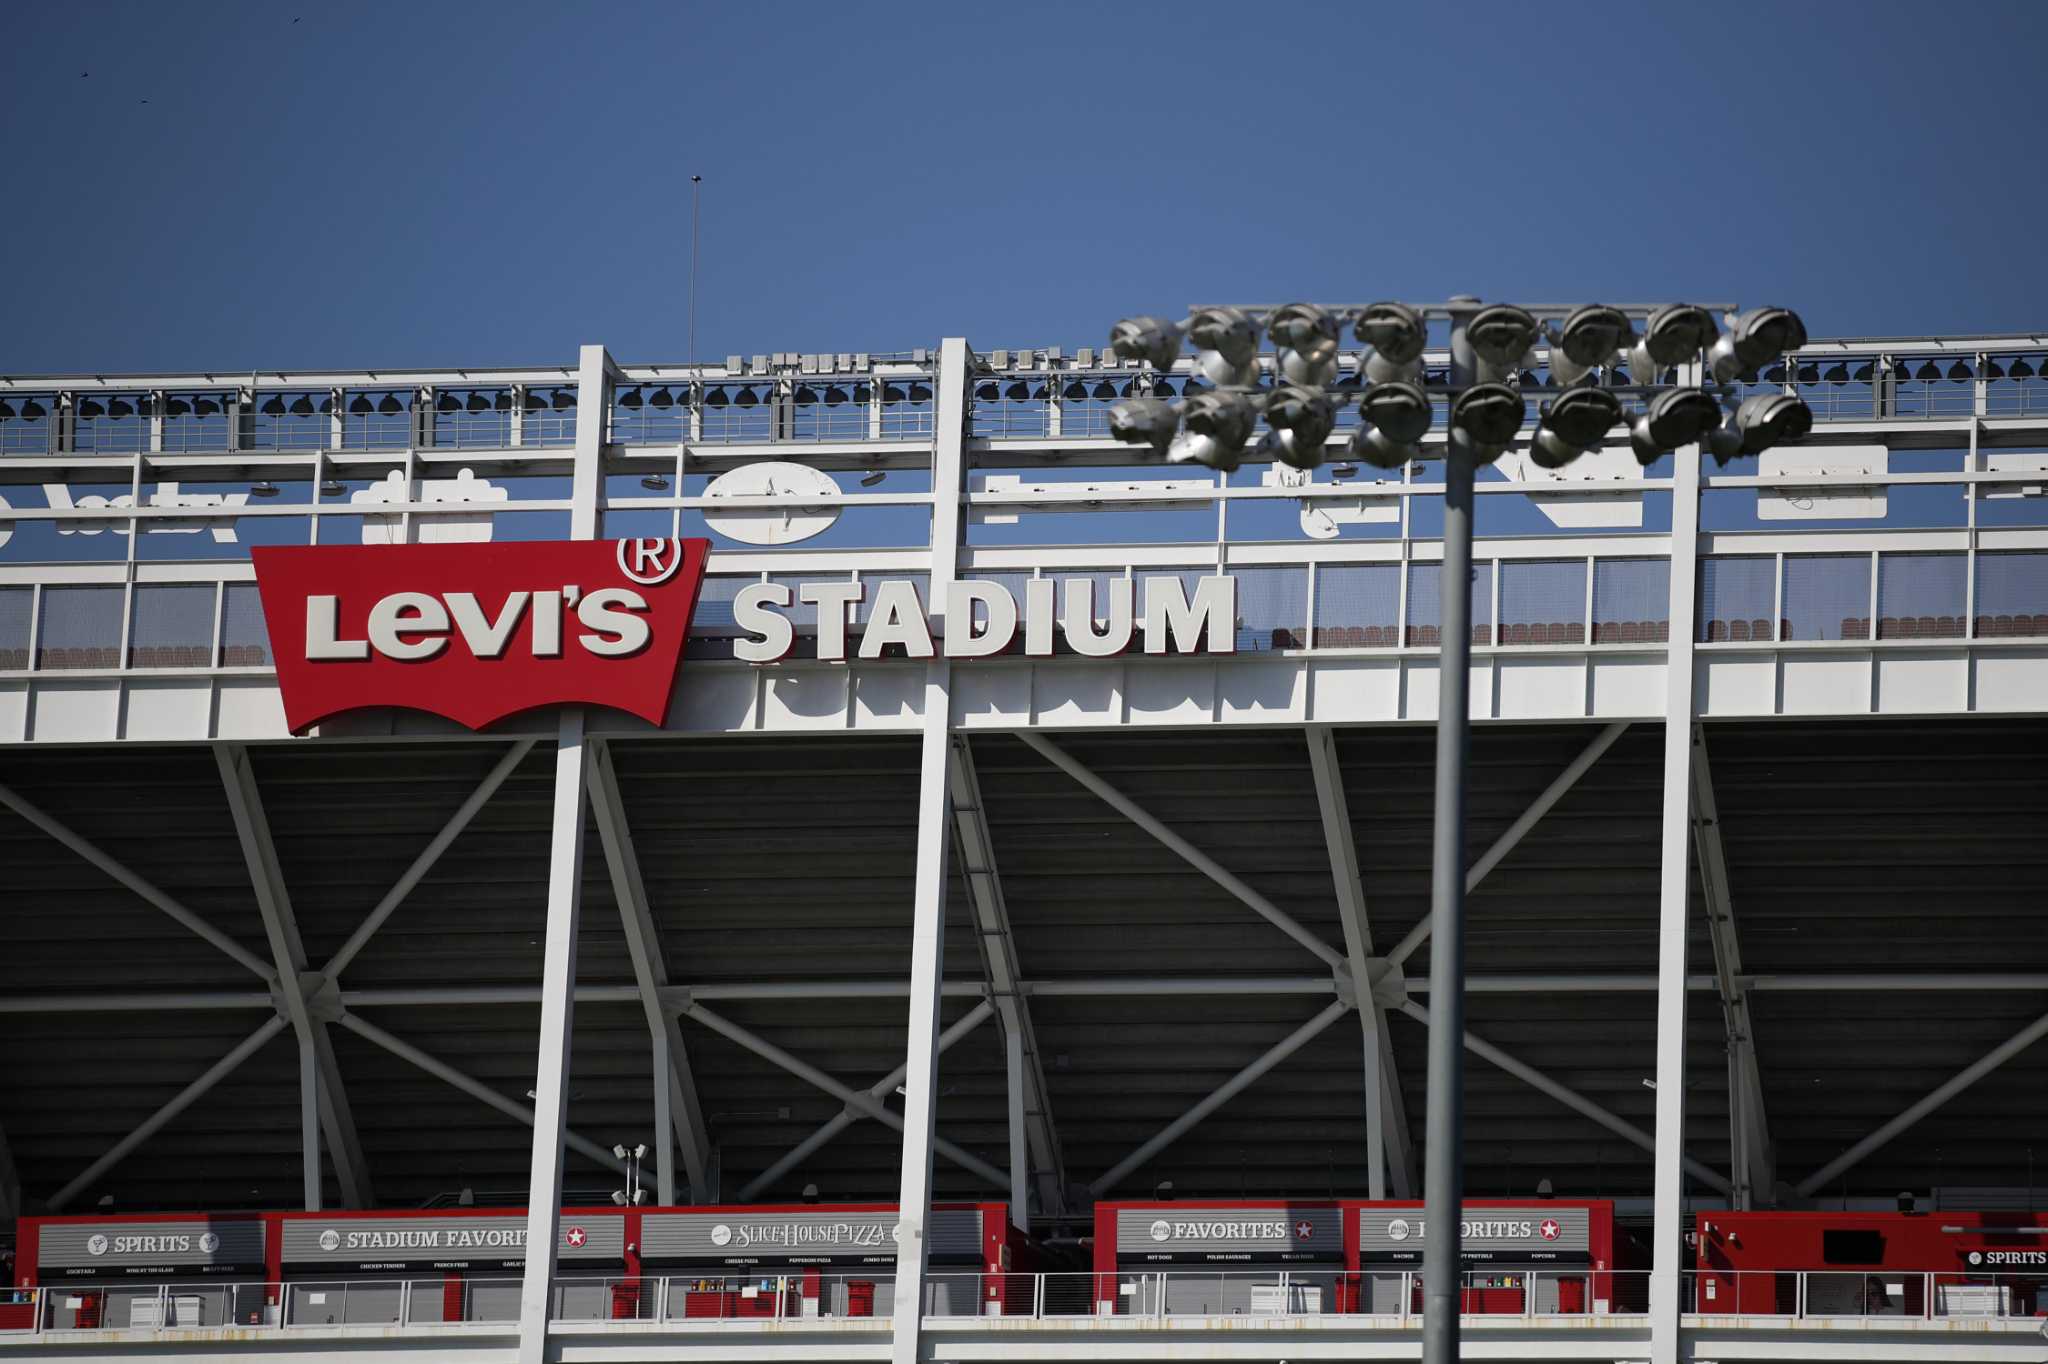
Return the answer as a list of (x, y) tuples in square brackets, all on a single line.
[(476, 632)]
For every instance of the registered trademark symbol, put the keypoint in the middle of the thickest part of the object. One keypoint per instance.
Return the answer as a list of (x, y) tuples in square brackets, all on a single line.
[(650, 561)]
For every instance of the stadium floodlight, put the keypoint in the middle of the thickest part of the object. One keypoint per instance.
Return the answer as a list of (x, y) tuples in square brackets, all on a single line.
[(1673, 334), (1392, 420), (1397, 335), (1145, 421), (1763, 420), (1305, 337), (1590, 337), (1155, 340), (1573, 423), (1299, 420), (1487, 417), (1215, 427), (1675, 417), (1753, 340), (1228, 344), (1499, 337)]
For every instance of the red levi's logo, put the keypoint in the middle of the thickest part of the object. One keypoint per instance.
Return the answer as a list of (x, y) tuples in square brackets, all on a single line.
[(477, 632)]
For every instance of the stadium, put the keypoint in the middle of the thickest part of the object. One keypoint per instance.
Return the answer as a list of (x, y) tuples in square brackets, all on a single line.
[(415, 782)]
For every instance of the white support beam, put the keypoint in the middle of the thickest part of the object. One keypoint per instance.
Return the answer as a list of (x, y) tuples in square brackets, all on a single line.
[(300, 990), (1388, 1140), (866, 1103), (846, 1117), (1188, 852), (1674, 911), (1935, 1098), (1516, 832), (998, 947), (1754, 1164), (557, 1015), (1222, 1095), (1568, 1096), (114, 868), (928, 890), (470, 1085), (178, 1103), (650, 970), (429, 855)]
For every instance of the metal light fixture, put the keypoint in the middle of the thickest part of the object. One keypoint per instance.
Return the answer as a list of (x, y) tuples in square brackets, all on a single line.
[(1763, 420), (1753, 339), (302, 406), (330, 487), (91, 407), (1487, 417), (661, 398), (477, 402), (533, 401), (655, 483), (1226, 342), (565, 399), (447, 402), (1672, 335), (182, 407), (1498, 338), (1573, 423), (1299, 420), (631, 400), (1397, 335), (263, 488), (1589, 338), (1674, 418), (1154, 340), (273, 406), (1145, 421), (1215, 428), (1305, 338), (871, 480), (390, 405), (1392, 420)]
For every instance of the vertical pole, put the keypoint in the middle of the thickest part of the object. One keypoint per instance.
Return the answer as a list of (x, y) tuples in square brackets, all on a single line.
[(565, 896), (557, 1010), (664, 1132), (309, 1120), (1443, 1181), (1668, 1189), (934, 836), (1020, 1159)]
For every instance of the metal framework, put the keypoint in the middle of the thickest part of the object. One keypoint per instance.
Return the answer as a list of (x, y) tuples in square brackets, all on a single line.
[(1313, 670)]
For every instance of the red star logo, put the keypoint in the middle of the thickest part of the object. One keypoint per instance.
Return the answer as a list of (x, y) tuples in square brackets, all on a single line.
[(1304, 1230), (1550, 1231), (575, 1236)]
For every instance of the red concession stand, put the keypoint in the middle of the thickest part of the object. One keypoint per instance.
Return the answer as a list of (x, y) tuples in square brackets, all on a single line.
[(1874, 1263), (1227, 1257)]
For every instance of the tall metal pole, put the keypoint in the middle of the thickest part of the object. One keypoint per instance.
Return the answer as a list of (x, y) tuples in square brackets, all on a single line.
[(696, 190), (1443, 1181)]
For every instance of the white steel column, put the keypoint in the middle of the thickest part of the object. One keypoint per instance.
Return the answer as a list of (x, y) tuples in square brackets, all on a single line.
[(1385, 1116), (934, 838), (308, 998), (565, 897), (1675, 886), (1020, 1159), (557, 1019)]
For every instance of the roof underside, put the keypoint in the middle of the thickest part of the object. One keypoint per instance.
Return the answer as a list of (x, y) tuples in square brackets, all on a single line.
[(1851, 846)]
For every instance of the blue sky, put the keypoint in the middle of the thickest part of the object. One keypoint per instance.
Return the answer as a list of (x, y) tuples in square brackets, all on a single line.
[(355, 185)]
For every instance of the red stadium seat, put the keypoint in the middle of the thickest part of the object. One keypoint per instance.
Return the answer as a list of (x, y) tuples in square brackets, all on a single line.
[(1760, 629), (1738, 629), (1482, 634), (1717, 630), (1946, 627), (1516, 634)]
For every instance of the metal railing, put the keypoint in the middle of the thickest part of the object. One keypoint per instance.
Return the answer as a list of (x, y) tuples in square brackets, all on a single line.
[(1907, 1295)]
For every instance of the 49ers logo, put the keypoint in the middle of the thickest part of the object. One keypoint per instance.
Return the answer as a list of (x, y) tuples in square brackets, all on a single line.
[(476, 632)]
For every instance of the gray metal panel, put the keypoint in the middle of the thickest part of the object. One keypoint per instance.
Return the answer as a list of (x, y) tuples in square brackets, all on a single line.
[(1279, 1231), (444, 1240), (207, 1245), (741, 1237), (1535, 1231)]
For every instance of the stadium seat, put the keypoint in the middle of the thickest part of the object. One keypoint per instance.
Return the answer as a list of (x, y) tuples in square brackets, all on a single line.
[(2005, 628), (1516, 634), (1717, 630), (1738, 629), (1784, 629), (1760, 629), (1945, 627), (1482, 633), (1354, 636), (1983, 624)]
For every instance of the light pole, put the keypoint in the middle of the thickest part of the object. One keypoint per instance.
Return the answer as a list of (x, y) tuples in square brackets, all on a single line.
[(632, 1194), (1487, 387)]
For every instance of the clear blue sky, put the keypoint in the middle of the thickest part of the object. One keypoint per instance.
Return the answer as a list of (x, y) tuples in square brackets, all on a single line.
[(293, 184)]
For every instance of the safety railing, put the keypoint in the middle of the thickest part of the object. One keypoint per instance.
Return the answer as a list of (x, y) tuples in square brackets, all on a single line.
[(1907, 1295), (1392, 1297)]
